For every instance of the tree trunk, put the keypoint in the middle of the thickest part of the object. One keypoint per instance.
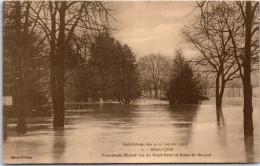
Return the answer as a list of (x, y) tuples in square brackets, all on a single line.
[(220, 117), (217, 94), (21, 124), (155, 91), (220, 90), (57, 69), (248, 108), (19, 95)]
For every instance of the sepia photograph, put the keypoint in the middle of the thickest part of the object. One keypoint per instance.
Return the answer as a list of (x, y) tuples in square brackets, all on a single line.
[(110, 82)]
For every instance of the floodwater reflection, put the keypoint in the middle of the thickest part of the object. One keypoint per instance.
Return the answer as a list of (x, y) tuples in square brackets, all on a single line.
[(220, 117), (183, 118), (59, 144), (110, 115), (249, 148)]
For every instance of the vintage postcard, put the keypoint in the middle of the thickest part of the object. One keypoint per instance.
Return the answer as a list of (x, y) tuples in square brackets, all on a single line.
[(88, 82)]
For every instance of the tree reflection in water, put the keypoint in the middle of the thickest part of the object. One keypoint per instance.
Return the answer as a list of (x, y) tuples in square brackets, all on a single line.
[(220, 117), (249, 149), (183, 116), (221, 130), (59, 144)]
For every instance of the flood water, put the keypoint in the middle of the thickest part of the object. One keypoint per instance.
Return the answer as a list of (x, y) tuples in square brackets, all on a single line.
[(181, 133)]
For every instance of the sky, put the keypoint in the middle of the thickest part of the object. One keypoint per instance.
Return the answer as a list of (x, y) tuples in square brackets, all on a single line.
[(153, 27)]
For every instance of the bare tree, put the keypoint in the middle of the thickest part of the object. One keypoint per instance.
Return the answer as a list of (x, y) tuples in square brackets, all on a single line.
[(155, 72), (208, 35), (231, 28), (246, 52), (62, 23)]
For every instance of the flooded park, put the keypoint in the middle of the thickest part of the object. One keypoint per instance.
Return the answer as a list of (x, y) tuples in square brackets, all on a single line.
[(89, 82), (98, 129)]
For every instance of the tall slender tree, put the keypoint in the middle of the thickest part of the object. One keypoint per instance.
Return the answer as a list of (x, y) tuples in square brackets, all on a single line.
[(14, 34), (20, 53), (249, 12), (19, 72)]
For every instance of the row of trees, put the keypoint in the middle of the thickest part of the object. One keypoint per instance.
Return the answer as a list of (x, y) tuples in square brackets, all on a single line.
[(226, 34)]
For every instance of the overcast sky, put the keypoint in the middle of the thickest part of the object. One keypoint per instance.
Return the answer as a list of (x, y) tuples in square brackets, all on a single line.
[(152, 26)]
